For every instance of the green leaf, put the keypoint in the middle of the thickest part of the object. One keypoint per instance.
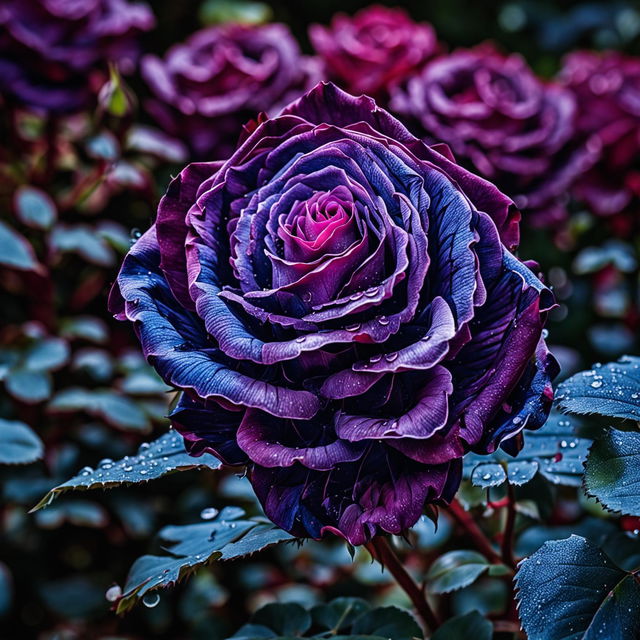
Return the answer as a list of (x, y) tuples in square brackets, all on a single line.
[(191, 546), (15, 251), (610, 390), (34, 207), (387, 622), (284, 618), (338, 614), (570, 589), (18, 443), (243, 11), (455, 570), (612, 472), (555, 451), (471, 626), (118, 410), (153, 460)]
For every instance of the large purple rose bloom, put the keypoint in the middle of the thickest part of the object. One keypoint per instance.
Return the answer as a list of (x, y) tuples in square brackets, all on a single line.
[(205, 89), (501, 120), (374, 49), (607, 88), (54, 53), (340, 305)]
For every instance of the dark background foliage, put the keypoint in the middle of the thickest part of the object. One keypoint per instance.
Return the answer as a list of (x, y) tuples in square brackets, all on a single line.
[(57, 565)]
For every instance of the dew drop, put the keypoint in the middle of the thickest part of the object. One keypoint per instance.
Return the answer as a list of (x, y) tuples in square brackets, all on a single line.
[(352, 327), (390, 357), (383, 320), (596, 384), (151, 600), (209, 513), (113, 593)]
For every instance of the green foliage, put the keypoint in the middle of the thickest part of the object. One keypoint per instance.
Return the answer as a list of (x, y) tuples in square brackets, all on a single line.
[(571, 589), (153, 460), (458, 569), (225, 538), (343, 618), (555, 452), (471, 626), (18, 443)]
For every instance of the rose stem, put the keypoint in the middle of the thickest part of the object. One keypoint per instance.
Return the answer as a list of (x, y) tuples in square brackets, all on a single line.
[(381, 550), (507, 538), (466, 521)]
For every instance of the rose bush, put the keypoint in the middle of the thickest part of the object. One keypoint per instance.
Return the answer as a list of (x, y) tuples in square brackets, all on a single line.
[(374, 49), (607, 87), (340, 305), (54, 53), (510, 126), (205, 89)]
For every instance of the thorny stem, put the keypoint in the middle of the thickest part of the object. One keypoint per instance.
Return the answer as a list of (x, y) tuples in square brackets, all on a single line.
[(466, 521), (381, 550), (507, 538)]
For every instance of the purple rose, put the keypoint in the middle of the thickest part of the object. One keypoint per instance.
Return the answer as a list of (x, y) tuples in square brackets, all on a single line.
[(221, 77), (499, 118), (374, 49), (607, 90), (340, 305), (54, 53)]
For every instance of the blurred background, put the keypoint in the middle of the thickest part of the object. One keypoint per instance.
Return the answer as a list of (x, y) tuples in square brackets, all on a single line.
[(75, 376)]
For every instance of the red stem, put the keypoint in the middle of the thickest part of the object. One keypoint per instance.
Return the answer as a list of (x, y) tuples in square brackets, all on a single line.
[(507, 537), (381, 550), (466, 521)]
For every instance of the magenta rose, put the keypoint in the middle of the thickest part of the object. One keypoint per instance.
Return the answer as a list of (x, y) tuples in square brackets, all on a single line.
[(607, 90), (206, 88), (54, 53), (503, 122), (374, 49)]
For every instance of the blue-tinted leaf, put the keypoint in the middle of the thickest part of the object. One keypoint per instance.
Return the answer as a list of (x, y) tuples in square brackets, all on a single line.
[(34, 207), (85, 328), (284, 618), (455, 570), (165, 455), (387, 622), (27, 386), (118, 410), (338, 614), (18, 443), (554, 451), (15, 251), (612, 472), (46, 354), (471, 626), (570, 590), (80, 513), (190, 546), (609, 390), (6, 590), (83, 241)]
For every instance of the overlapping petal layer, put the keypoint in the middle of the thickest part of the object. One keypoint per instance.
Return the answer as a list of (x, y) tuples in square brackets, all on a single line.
[(340, 305)]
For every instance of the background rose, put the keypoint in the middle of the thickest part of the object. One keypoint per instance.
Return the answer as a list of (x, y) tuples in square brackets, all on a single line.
[(339, 305), (607, 87), (509, 125), (54, 53), (374, 49), (207, 88)]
